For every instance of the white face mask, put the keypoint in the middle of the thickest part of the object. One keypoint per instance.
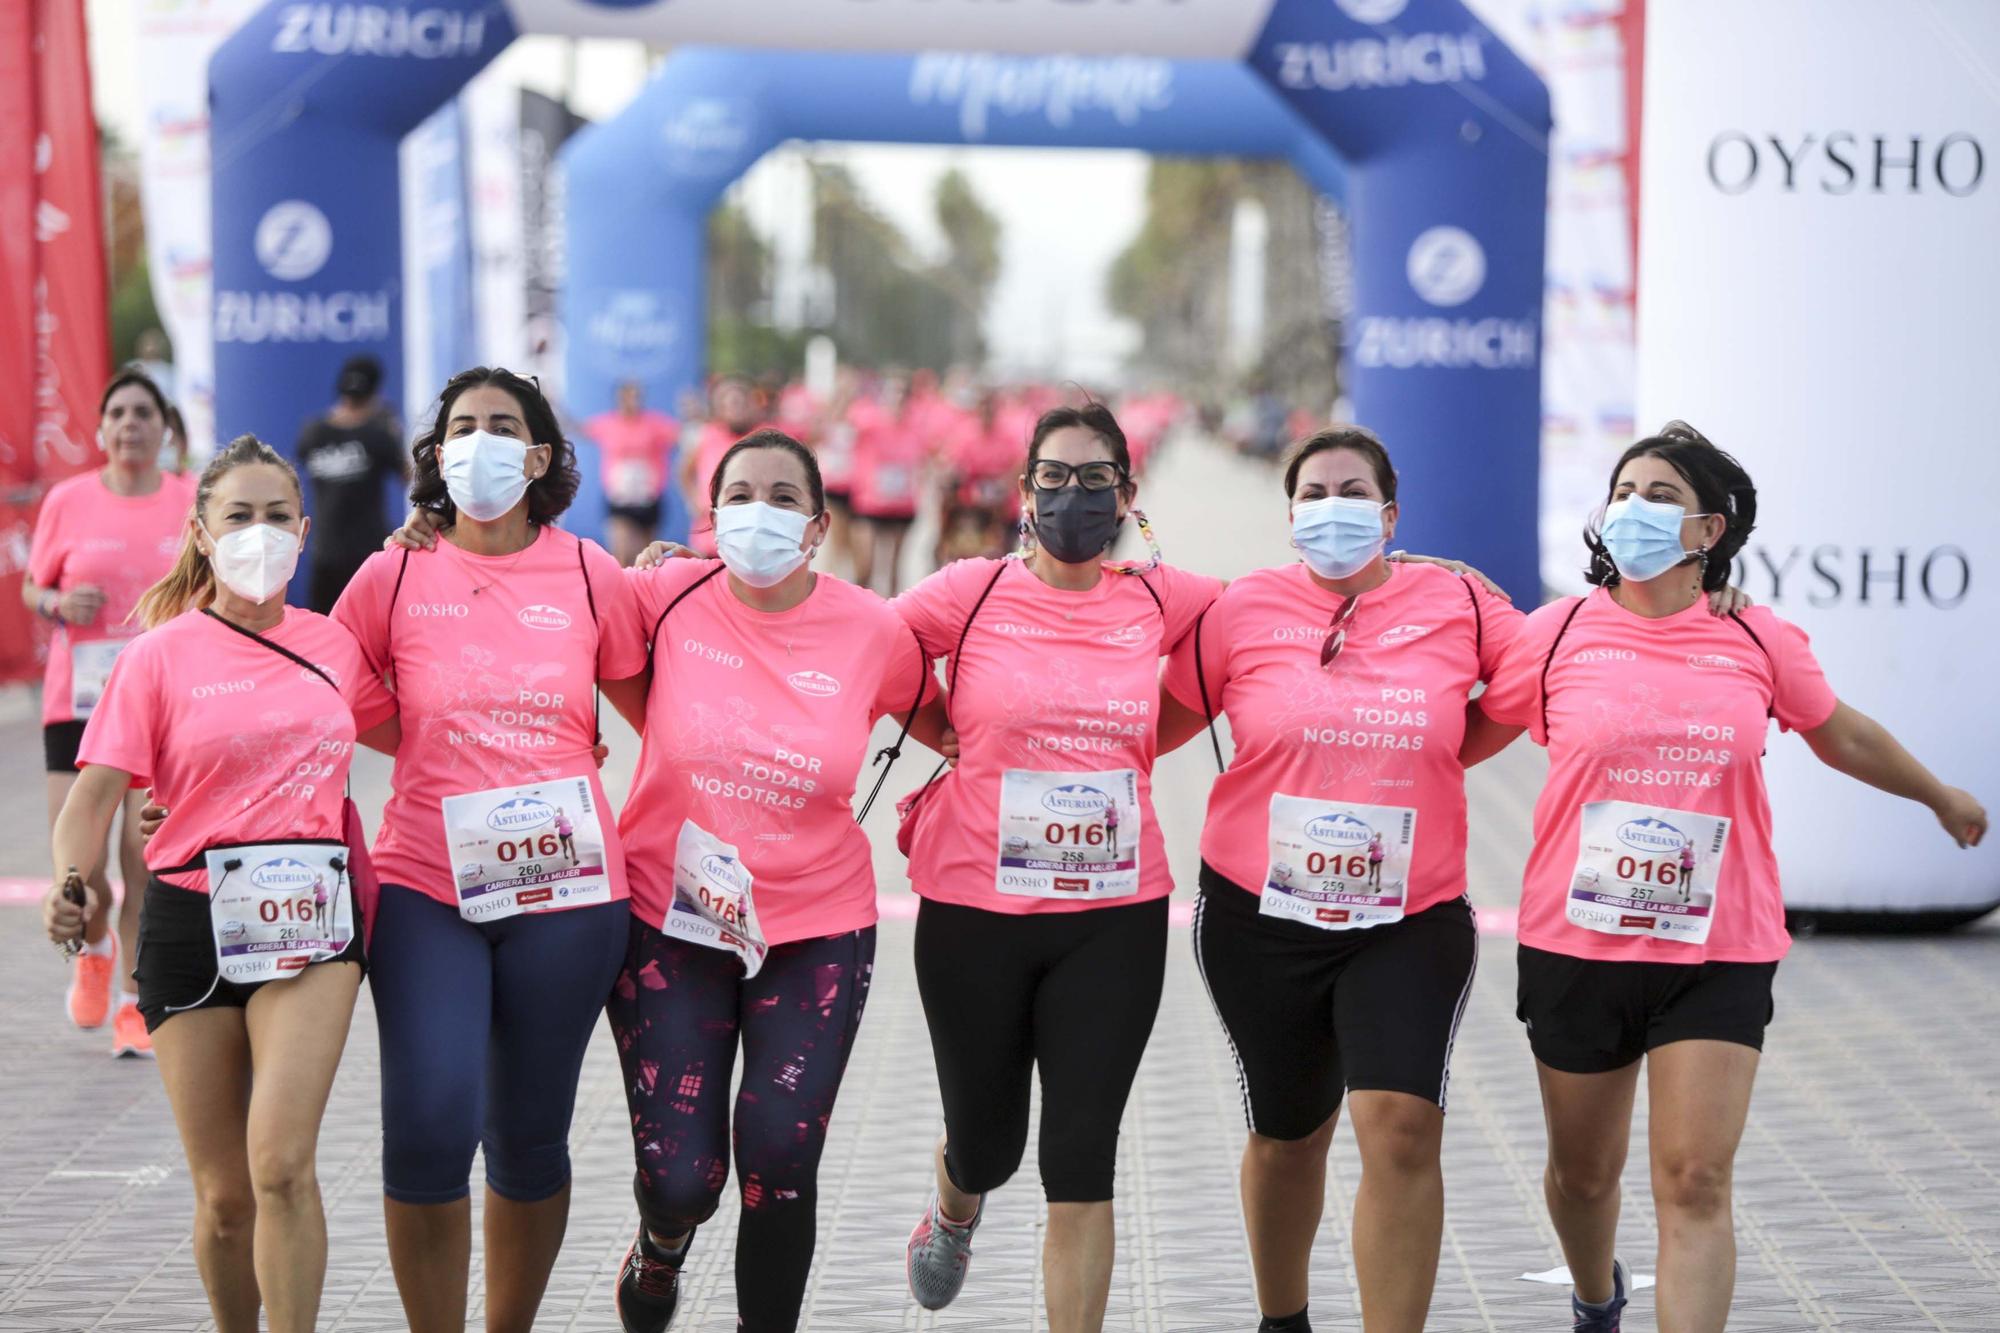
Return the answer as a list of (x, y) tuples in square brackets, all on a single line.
[(760, 542), (256, 562), (1338, 536), (485, 475)]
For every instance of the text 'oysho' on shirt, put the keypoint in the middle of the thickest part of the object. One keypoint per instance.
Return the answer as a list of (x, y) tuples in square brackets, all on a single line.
[(1379, 726), (119, 544), (1669, 715), (757, 729), (240, 743), (1049, 680), (495, 664)]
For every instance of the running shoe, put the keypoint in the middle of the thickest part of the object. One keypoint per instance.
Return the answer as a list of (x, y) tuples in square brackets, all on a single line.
[(90, 988), (940, 1250), (128, 1034), (649, 1286), (1590, 1319)]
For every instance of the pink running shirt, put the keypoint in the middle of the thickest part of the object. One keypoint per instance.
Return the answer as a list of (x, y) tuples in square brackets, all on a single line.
[(757, 729), (123, 544), (888, 454), (1049, 681), (1381, 725), (239, 743), (711, 446), (1669, 713), (634, 451), (494, 662)]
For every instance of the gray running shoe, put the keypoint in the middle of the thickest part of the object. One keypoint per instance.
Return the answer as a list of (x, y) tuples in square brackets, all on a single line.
[(1589, 1319), (940, 1250)]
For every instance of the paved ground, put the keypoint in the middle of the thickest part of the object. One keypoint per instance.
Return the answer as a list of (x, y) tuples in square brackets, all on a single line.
[(1868, 1191)]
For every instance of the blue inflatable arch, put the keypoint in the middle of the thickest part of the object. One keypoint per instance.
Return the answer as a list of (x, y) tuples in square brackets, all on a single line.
[(640, 187), (1439, 130)]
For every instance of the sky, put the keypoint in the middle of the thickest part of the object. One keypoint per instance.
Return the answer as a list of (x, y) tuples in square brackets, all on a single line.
[(1065, 214)]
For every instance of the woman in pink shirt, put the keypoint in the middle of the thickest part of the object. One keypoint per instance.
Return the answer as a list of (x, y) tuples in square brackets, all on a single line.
[(636, 448), (1038, 943), (733, 415), (1333, 932), (493, 949), (753, 891), (241, 713), (101, 539), (890, 444), (1655, 716)]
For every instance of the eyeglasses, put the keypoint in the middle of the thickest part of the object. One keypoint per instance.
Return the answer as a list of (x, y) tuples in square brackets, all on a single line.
[(1051, 474), (1336, 632)]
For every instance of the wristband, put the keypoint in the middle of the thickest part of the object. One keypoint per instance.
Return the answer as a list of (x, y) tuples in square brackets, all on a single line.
[(49, 607)]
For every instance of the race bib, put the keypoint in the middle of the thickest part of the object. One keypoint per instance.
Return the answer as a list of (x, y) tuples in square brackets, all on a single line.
[(1069, 835), (533, 848), (713, 904), (836, 453), (1647, 871), (89, 670), (632, 484), (1338, 866), (892, 482), (277, 907)]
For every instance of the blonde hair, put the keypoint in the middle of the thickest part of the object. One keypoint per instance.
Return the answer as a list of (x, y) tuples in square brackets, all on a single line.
[(190, 584)]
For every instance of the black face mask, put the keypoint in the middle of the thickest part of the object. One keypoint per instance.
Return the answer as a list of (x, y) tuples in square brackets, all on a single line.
[(1075, 525)]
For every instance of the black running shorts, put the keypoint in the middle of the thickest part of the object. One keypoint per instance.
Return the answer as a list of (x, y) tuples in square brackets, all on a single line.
[(1591, 1016), (176, 967), (1311, 1012)]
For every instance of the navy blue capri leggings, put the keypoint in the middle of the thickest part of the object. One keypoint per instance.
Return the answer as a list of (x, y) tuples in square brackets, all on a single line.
[(483, 1032)]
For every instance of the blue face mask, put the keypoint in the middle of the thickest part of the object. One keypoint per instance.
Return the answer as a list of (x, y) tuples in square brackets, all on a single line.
[(1643, 537), (1337, 536)]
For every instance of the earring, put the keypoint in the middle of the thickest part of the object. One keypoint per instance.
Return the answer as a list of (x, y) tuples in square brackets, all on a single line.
[(1027, 535), (1153, 555)]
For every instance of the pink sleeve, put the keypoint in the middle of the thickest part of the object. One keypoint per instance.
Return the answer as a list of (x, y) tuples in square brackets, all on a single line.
[(363, 609), (1183, 597), (1513, 694), (1211, 638), (1500, 623), (652, 590), (367, 698), (124, 728), (1801, 699), (621, 643), (906, 669), (48, 546), (935, 609), (593, 426)]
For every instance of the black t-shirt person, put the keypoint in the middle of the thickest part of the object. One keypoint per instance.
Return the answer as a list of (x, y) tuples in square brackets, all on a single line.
[(349, 468)]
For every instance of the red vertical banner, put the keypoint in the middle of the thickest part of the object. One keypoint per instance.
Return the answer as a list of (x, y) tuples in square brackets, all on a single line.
[(17, 331), (71, 291)]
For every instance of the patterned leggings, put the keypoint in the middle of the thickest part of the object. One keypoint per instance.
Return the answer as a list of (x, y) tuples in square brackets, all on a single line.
[(678, 1011)]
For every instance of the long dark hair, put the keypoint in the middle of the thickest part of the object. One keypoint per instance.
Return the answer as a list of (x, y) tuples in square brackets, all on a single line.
[(1719, 483), (548, 495)]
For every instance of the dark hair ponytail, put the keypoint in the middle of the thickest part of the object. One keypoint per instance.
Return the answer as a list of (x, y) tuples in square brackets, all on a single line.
[(1719, 483)]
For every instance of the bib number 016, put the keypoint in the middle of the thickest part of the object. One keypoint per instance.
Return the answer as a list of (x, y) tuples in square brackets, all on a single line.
[(545, 847)]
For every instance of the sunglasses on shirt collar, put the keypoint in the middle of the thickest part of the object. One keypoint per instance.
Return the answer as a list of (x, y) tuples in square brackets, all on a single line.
[(1336, 631)]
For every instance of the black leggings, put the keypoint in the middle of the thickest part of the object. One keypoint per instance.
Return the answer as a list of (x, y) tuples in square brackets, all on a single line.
[(1074, 993), (678, 1011)]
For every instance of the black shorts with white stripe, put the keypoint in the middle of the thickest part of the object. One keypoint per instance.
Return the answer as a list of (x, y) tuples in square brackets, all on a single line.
[(1311, 1013)]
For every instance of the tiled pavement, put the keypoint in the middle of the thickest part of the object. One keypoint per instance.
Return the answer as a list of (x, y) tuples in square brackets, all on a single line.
[(1868, 1188)]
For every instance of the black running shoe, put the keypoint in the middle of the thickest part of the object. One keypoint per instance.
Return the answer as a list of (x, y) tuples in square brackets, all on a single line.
[(649, 1286)]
